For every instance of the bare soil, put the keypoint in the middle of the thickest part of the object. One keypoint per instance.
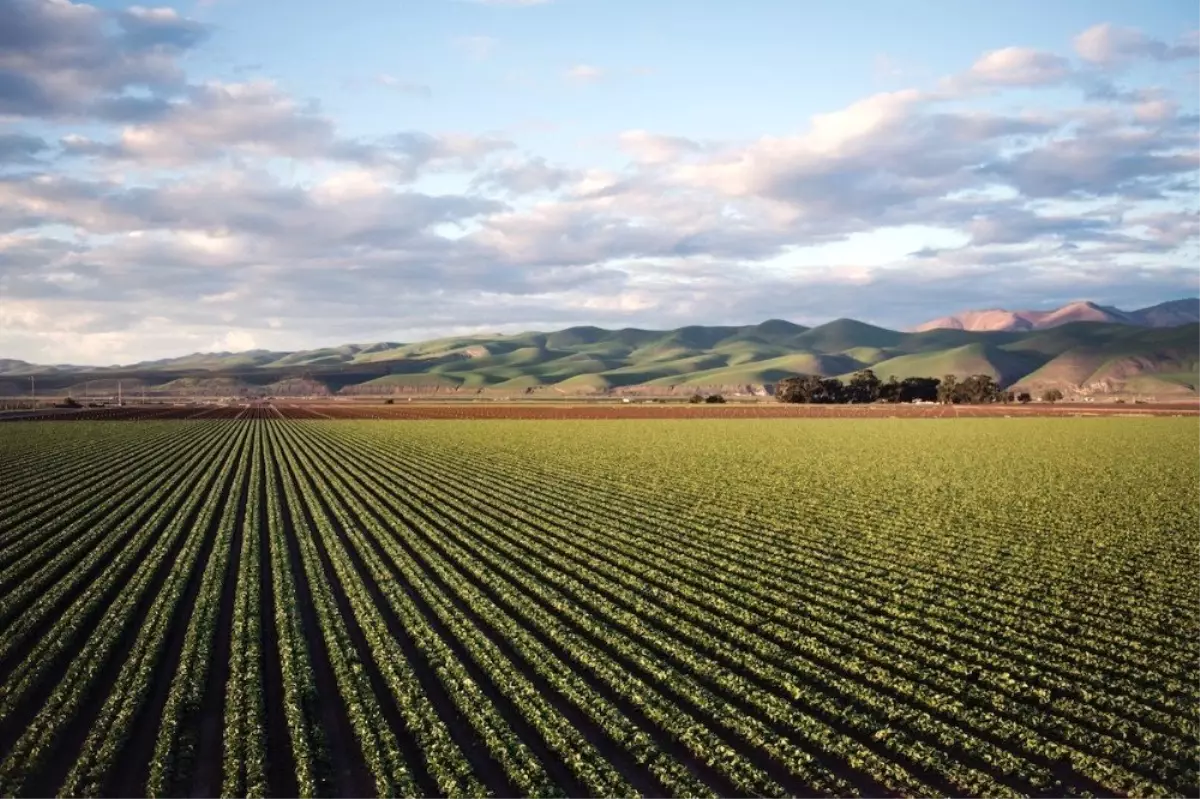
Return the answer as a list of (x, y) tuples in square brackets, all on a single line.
[(767, 409)]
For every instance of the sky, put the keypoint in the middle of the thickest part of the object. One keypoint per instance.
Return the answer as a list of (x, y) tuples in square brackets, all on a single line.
[(223, 175)]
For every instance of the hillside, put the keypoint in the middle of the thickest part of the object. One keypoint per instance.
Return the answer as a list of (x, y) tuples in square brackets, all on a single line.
[(1167, 314), (1078, 357)]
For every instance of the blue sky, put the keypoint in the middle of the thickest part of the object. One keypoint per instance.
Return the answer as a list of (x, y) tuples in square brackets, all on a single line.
[(228, 174)]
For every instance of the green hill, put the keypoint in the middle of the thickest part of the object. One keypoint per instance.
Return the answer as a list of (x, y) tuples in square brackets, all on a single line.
[(845, 334), (1079, 357), (978, 358)]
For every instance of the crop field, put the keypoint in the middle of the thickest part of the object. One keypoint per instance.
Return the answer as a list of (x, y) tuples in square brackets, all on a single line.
[(708, 607)]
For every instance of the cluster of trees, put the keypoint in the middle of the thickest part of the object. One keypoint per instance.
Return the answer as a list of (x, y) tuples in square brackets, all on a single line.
[(711, 399), (862, 387), (865, 386)]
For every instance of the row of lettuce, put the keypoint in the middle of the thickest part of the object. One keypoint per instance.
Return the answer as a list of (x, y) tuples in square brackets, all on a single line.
[(510, 625)]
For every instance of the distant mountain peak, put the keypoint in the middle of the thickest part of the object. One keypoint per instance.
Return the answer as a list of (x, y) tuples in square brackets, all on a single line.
[(1167, 314)]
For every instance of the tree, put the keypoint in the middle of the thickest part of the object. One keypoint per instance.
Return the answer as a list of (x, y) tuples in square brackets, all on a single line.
[(864, 386), (808, 388), (789, 390), (714, 399), (922, 389), (831, 392), (977, 390), (1024, 397), (696, 399), (1051, 395), (948, 390)]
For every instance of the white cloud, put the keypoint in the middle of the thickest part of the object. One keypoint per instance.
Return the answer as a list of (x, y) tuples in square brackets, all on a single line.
[(1019, 66), (234, 341), (64, 60), (584, 73), (651, 148), (1108, 45), (182, 196)]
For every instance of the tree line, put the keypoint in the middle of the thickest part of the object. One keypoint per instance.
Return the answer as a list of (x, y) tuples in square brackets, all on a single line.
[(865, 386)]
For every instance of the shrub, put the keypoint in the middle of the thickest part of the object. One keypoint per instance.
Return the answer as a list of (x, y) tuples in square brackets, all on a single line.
[(714, 399)]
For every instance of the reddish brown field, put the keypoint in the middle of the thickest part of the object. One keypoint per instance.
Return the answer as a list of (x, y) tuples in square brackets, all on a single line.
[(567, 411), (765, 410)]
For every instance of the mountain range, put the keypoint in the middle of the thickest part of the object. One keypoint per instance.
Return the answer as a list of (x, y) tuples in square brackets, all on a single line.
[(1148, 356), (1166, 314)]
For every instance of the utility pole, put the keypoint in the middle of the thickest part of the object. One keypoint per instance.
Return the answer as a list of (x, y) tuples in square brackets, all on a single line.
[(32, 390), (119, 402)]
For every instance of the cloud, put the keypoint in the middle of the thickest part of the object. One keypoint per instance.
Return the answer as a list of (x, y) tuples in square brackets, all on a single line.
[(523, 176), (257, 119), (584, 73), (1018, 66), (1136, 162), (21, 148), (651, 148), (233, 341), (154, 28), (1108, 45), (885, 160), (164, 214), (60, 59), (1021, 226), (403, 86), (477, 48)]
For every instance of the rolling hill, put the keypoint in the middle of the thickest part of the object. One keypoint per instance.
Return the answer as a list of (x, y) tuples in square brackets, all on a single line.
[(1079, 357)]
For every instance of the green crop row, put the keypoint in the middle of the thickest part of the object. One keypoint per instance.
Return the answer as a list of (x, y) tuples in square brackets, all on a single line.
[(258, 606)]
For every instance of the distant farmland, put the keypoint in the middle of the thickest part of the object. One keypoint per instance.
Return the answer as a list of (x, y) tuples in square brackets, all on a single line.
[(809, 607)]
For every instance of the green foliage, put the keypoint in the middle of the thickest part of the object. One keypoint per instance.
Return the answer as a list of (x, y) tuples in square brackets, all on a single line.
[(708, 606), (811, 389), (1052, 395), (864, 386)]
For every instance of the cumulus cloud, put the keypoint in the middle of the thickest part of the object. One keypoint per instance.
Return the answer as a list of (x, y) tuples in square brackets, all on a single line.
[(257, 119), (60, 59), (152, 28), (21, 148), (523, 176), (172, 192), (1131, 161), (652, 148), (1108, 45), (1019, 66)]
